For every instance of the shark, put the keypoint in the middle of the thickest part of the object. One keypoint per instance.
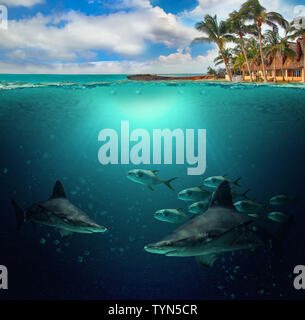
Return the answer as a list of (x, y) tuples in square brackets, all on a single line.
[(219, 230), (57, 212)]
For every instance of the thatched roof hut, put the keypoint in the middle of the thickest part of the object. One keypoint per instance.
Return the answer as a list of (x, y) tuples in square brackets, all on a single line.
[(288, 64)]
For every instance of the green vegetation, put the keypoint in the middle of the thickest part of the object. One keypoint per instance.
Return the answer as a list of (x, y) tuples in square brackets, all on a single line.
[(253, 48)]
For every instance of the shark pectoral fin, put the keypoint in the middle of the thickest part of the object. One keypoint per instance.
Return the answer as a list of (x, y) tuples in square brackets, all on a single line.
[(58, 191), (207, 260), (150, 187), (65, 233)]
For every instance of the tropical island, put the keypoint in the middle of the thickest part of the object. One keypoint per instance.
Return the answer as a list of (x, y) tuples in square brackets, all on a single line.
[(251, 47)]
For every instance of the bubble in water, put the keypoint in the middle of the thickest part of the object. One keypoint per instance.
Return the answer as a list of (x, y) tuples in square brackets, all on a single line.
[(86, 252)]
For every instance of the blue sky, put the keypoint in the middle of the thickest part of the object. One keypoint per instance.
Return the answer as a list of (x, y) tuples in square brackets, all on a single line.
[(112, 36)]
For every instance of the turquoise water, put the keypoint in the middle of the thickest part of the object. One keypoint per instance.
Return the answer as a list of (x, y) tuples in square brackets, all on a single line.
[(49, 126)]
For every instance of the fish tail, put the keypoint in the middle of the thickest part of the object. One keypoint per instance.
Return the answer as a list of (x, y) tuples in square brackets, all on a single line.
[(167, 183), (244, 194), (236, 182), (19, 214)]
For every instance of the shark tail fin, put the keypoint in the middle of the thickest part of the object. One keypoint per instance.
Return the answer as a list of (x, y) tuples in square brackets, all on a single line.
[(244, 194), (236, 182), (19, 214), (167, 183)]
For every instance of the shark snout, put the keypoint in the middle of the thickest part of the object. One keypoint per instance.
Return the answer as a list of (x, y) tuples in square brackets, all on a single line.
[(162, 247), (95, 228)]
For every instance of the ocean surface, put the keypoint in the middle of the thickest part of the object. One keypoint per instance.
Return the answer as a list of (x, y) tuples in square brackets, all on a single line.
[(49, 128)]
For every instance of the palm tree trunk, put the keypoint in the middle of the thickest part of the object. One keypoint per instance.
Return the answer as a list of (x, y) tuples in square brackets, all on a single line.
[(261, 50), (274, 69), (304, 65), (303, 37), (225, 62), (246, 57)]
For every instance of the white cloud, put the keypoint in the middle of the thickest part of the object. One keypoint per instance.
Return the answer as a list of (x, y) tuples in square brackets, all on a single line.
[(121, 4), (178, 57), (21, 3), (179, 62), (223, 7), (125, 33)]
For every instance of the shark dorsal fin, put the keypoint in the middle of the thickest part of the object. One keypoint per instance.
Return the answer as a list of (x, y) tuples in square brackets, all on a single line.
[(58, 191), (222, 196)]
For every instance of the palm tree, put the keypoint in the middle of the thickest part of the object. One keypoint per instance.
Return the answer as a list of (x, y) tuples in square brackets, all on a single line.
[(211, 71), (253, 52), (254, 11), (286, 52), (238, 61), (236, 26), (272, 41), (298, 33), (226, 55), (214, 33)]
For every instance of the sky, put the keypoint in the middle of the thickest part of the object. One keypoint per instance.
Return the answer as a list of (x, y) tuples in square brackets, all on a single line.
[(113, 36)]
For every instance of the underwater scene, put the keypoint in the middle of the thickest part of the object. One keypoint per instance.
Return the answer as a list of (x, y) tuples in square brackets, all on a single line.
[(74, 228)]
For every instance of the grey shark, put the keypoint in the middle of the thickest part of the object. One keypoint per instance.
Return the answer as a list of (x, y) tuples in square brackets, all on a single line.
[(58, 212), (221, 229)]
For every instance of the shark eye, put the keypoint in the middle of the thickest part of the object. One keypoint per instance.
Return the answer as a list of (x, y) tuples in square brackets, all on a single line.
[(140, 174)]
